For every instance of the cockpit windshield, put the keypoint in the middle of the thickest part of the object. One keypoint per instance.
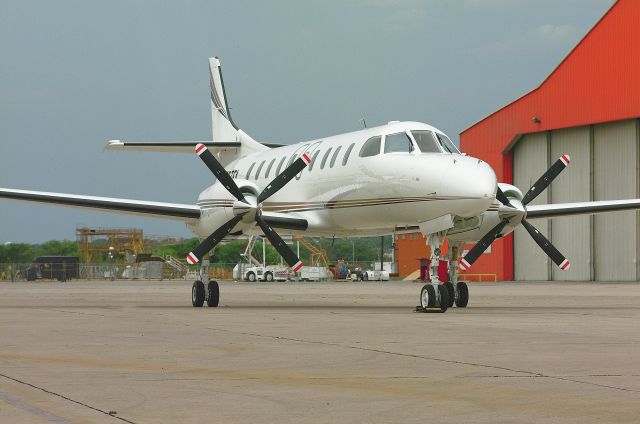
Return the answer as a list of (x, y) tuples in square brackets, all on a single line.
[(447, 144), (426, 141)]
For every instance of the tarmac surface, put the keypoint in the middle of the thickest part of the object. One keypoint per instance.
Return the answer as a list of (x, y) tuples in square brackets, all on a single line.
[(318, 353)]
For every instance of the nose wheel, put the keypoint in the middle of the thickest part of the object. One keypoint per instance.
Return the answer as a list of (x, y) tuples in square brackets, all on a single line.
[(432, 301), (462, 295), (197, 294)]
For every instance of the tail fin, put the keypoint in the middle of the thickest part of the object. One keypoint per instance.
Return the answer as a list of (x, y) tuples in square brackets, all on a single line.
[(223, 126), (224, 129)]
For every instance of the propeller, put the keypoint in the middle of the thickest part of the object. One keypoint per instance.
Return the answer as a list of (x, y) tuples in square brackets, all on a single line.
[(519, 209), (245, 206)]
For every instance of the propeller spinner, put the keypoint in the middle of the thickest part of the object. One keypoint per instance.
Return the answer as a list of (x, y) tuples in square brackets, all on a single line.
[(244, 206), (537, 188)]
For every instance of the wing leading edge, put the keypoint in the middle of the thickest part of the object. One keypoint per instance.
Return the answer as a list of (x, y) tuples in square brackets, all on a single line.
[(581, 208), (176, 211)]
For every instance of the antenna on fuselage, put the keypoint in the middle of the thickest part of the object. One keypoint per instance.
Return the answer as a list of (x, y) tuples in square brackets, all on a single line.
[(364, 121)]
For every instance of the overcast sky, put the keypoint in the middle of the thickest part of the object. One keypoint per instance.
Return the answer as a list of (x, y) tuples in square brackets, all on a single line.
[(77, 73)]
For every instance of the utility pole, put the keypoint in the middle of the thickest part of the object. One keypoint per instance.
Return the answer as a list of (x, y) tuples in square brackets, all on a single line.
[(381, 252)]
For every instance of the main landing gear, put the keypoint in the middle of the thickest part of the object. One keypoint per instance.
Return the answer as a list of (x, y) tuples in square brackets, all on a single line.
[(436, 297), (198, 293)]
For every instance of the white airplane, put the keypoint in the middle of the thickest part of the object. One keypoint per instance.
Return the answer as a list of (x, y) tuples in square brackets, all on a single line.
[(399, 177)]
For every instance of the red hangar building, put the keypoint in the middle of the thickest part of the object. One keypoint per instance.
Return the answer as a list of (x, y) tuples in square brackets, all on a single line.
[(588, 108)]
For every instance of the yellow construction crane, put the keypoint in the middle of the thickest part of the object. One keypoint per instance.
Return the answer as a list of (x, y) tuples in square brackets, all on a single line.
[(317, 253)]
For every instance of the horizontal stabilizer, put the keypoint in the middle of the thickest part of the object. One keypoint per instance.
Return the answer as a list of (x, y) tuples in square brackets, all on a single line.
[(176, 146), (170, 146)]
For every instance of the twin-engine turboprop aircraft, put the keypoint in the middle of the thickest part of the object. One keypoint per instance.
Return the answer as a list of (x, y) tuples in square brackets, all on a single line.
[(399, 177)]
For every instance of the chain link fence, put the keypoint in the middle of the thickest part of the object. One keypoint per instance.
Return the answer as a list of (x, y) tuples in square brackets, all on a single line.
[(156, 270), (134, 271)]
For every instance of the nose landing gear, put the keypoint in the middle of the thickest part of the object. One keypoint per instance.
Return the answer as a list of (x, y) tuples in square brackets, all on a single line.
[(198, 293), (436, 297)]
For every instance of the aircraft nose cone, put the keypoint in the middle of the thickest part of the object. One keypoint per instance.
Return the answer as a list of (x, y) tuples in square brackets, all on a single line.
[(484, 182), (472, 182)]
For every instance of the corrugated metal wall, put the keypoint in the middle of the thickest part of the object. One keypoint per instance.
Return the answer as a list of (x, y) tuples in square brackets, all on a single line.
[(529, 163), (615, 177), (572, 235), (605, 165)]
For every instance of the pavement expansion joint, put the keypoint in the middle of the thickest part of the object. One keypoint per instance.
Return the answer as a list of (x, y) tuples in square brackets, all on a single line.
[(33, 386)]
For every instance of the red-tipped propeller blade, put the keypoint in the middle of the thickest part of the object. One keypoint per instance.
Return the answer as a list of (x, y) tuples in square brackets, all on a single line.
[(546, 179), (210, 242), (555, 255), (482, 245), (286, 176), (218, 170), (290, 258)]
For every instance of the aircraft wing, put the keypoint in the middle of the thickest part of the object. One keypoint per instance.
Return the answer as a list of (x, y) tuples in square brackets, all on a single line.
[(127, 206), (581, 208), (174, 146)]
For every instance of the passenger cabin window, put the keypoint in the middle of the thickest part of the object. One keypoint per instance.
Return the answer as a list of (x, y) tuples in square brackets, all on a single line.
[(447, 144), (291, 159), (398, 142), (371, 147), (426, 141), (259, 169), (347, 153), (324, 159), (246, 177), (313, 160), (335, 155), (266, 175), (280, 166)]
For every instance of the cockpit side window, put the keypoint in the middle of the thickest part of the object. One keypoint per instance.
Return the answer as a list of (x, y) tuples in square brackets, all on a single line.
[(371, 147), (447, 144), (398, 142), (426, 141)]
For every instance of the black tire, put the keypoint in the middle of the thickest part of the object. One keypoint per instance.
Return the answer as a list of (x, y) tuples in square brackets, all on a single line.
[(428, 296), (268, 276), (213, 297), (444, 297), (452, 293), (197, 294), (462, 299), (251, 277)]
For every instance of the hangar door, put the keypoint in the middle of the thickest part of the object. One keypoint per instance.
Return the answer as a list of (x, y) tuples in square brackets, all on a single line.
[(529, 163), (605, 164), (616, 234), (572, 235)]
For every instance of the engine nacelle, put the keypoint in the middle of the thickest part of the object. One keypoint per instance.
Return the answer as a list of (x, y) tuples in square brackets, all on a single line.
[(216, 205), (473, 229), (511, 191)]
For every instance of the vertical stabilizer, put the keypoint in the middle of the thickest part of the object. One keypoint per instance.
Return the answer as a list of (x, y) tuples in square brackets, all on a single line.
[(224, 129), (223, 126)]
